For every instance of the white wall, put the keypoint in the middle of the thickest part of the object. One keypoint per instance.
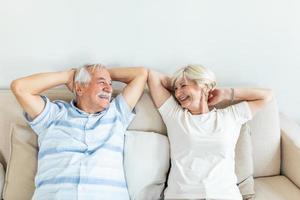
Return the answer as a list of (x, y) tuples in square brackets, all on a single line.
[(254, 42)]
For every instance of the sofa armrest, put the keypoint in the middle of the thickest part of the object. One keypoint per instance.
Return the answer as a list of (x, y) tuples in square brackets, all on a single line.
[(290, 149), (2, 178)]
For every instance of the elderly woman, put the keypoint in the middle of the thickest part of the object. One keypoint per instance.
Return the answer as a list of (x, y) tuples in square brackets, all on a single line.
[(202, 141)]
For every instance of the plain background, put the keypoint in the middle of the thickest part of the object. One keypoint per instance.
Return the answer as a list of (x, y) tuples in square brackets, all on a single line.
[(245, 42)]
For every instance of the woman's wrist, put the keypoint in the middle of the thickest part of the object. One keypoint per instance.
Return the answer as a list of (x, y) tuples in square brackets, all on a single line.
[(229, 94)]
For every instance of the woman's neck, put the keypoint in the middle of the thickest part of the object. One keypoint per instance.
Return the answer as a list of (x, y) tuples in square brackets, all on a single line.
[(201, 110)]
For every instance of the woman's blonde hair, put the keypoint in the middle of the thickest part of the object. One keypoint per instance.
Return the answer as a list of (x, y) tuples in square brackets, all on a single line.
[(198, 73)]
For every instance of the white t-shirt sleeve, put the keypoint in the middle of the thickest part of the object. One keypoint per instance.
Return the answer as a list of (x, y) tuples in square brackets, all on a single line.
[(241, 112), (169, 108)]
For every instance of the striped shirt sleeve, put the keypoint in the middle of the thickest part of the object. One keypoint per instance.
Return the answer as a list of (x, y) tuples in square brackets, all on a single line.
[(124, 110), (45, 118)]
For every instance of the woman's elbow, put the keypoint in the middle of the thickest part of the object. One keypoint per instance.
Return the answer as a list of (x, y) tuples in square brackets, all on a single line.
[(268, 95)]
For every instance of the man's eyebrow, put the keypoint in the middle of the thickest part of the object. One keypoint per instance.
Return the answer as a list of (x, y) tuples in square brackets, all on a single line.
[(101, 78)]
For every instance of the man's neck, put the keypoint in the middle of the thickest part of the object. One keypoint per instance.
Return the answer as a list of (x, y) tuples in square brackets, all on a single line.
[(86, 107)]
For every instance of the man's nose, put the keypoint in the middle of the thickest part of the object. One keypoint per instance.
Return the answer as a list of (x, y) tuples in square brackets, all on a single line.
[(108, 88)]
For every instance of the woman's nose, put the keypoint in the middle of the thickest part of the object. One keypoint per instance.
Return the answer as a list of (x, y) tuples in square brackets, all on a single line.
[(177, 92)]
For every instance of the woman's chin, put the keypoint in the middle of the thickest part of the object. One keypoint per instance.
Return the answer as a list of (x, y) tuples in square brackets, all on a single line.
[(185, 105)]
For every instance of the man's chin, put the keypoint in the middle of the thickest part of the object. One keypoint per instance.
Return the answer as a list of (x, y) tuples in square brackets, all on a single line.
[(103, 103)]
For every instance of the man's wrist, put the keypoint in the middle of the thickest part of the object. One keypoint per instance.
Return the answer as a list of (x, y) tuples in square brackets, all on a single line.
[(69, 75)]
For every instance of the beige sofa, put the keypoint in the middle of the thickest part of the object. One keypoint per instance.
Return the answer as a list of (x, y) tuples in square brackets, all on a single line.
[(275, 142)]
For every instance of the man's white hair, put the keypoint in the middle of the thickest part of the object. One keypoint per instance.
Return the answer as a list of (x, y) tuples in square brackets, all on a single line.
[(201, 75), (83, 74)]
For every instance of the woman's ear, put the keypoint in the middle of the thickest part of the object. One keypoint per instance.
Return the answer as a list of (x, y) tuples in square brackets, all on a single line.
[(206, 90)]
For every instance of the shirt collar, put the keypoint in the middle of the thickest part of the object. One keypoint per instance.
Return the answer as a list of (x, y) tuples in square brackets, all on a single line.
[(73, 105)]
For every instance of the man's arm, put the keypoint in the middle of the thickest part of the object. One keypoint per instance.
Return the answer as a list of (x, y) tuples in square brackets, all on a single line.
[(27, 89), (135, 78), (159, 86), (256, 98)]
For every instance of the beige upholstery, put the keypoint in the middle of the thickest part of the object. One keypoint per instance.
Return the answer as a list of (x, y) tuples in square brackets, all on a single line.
[(276, 188), (290, 149), (244, 162), (266, 141), (265, 129), (22, 165)]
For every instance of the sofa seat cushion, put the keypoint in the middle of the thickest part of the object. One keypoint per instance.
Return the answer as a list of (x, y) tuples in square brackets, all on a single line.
[(276, 188), (146, 163)]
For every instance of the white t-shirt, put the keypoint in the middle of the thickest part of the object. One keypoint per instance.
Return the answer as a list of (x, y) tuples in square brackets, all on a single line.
[(202, 151)]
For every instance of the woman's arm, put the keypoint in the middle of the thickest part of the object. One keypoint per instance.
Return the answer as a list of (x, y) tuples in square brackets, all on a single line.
[(257, 98), (159, 86)]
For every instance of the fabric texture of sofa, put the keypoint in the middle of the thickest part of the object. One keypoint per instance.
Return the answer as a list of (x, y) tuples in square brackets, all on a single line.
[(272, 156)]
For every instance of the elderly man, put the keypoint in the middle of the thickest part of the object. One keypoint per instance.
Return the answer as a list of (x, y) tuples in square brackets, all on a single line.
[(81, 142)]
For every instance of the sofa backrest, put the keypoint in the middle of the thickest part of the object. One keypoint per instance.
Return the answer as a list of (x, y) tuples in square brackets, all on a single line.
[(264, 128)]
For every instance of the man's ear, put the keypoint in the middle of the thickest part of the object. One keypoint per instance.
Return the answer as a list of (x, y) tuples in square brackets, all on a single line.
[(79, 89)]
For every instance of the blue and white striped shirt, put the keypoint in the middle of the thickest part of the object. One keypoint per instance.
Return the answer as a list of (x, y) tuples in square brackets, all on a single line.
[(80, 154)]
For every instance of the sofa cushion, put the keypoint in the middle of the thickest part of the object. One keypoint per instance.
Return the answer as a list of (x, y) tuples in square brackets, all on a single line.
[(265, 133), (244, 163), (21, 168), (146, 161), (147, 116), (276, 188)]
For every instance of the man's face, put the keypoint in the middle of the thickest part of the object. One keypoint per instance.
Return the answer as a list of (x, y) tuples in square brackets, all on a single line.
[(98, 92)]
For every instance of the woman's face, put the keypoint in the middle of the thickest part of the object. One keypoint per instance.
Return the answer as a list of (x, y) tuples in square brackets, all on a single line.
[(188, 93)]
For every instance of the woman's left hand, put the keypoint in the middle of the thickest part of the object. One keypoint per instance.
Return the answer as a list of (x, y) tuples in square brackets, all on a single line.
[(216, 96)]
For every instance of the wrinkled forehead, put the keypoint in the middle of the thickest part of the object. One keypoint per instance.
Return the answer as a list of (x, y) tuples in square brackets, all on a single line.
[(100, 74)]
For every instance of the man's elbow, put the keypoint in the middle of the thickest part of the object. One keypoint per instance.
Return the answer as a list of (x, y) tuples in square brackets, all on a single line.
[(151, 75), (143, 72), (16, 86)]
